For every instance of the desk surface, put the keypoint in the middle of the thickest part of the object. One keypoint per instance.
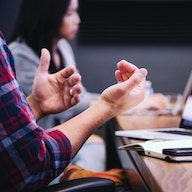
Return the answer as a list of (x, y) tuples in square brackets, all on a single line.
[(170, 177)]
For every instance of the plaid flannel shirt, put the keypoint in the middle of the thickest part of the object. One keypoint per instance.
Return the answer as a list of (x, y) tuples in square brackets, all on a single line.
[(30, 157)]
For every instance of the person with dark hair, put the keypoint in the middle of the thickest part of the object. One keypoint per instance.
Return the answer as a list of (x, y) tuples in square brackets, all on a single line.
[(30, 156), (46, 23), (51, 24)]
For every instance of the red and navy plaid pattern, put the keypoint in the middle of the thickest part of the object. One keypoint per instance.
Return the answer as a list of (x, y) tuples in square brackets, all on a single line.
[(30, 157)]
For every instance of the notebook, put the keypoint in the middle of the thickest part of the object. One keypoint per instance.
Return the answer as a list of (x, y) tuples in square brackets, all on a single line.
[(183, 131), (172, 150)]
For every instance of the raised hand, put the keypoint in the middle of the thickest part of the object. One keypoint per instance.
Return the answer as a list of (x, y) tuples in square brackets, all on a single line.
[(53, 93), (130, 89)]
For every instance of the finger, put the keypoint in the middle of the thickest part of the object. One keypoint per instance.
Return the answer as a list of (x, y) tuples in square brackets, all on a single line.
[(44, 61), (75, 99), (77, 89), (74, 79), (135, 79), (125, 70), (66, 72), (118, 76), (126, 67)]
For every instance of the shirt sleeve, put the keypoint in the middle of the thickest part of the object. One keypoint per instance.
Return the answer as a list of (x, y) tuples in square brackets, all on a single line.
[(30, 156)]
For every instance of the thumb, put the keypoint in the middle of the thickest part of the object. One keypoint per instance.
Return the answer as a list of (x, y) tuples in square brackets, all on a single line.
[(136, 79), (44, 61)]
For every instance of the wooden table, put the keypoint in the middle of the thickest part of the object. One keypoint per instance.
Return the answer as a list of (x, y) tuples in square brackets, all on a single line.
[(157, 175)]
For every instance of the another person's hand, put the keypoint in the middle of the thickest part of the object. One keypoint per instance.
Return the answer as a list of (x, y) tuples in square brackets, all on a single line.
[(53, 93), (130, 90), (156, 101)]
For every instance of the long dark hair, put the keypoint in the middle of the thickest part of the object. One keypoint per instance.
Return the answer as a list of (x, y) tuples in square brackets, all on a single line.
[(38, 22)]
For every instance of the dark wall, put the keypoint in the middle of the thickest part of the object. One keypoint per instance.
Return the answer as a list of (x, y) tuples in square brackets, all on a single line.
[(149, 33), (135, 22), (8, 12), (168, 64)]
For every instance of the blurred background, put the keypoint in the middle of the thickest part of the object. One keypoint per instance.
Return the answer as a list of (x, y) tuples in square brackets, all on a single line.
[(155, 34)]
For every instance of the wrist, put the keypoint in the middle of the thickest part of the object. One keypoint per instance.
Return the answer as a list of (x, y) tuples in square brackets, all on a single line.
[(35, 107), (108, 110)]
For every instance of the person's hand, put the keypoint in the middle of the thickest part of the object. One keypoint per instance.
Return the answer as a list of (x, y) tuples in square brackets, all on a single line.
[(130, 90), (53, 93), (156, 101)]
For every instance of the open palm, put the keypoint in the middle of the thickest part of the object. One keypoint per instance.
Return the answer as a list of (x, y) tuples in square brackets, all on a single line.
[(55, 92)]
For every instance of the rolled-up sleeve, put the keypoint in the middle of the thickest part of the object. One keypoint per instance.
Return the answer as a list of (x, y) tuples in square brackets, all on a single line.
[(59, 148)]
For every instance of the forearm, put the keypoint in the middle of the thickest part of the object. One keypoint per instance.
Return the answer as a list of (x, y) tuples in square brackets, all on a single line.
[(79, 128)]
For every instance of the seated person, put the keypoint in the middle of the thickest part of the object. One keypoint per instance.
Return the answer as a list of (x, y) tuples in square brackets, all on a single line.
[(30, 156)]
